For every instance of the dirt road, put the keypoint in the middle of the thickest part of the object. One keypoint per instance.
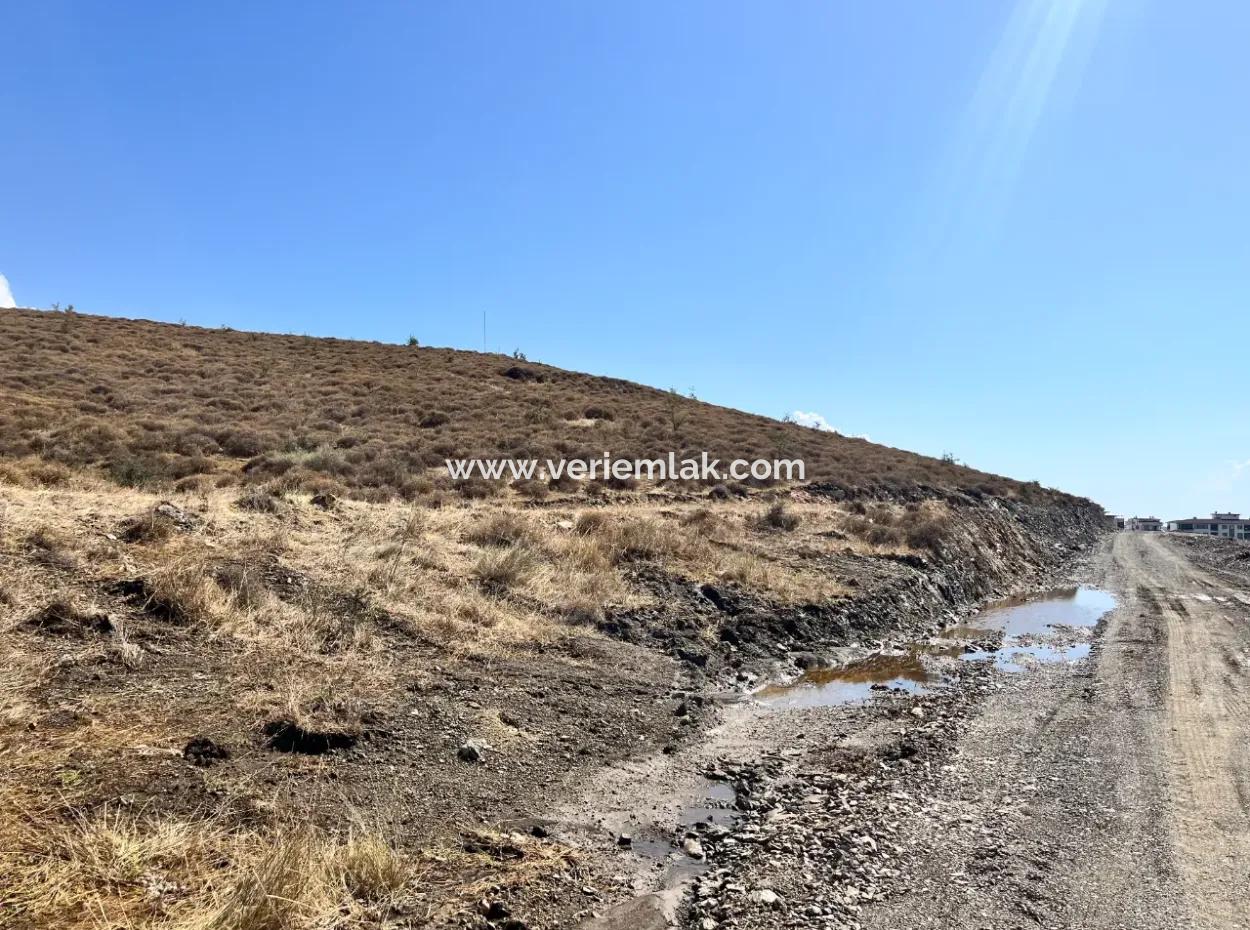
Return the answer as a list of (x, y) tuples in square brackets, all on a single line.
[(1206, 621), (1126, 781), (1111, 792)]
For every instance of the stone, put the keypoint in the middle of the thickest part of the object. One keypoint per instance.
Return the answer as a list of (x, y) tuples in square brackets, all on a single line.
[(473, 751)]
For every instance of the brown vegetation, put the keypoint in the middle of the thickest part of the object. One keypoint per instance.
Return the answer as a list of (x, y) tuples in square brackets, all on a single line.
[(246, 623), (158, 405)]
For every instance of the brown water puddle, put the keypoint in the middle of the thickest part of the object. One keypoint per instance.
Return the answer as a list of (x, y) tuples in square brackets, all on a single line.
[(855, 681), (1031, 631), (1035, 615)]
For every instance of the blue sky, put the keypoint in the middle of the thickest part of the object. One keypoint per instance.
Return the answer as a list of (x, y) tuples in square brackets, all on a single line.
[(1016, 232)]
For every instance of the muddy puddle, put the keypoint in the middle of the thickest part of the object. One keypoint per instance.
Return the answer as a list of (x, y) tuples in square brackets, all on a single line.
[(855, 681), (1037, 615), (1051, 627), (679, 853)]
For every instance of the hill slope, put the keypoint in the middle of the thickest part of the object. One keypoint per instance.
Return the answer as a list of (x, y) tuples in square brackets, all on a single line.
[(152, 402)]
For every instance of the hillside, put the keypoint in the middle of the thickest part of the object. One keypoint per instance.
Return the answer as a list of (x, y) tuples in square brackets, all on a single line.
[(154, 403), (229, 700)]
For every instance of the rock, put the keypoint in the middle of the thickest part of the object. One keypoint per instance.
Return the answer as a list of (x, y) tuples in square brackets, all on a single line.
[(176, 515), (203, 751), (917, 711), (495, 910), (693, 848), (765, 896), (324, 500), (624, 840), (473, 751), (714, 596)]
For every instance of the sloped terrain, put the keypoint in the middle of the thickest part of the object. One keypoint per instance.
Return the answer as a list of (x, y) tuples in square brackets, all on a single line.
[(149, 403), (265, 668)]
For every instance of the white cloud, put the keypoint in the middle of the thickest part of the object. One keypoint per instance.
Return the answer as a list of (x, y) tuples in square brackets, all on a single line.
[(6, 295), (812, 419), (815, 420)]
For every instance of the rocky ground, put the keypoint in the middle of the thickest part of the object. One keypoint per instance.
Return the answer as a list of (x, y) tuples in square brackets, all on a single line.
[(1107, 792)]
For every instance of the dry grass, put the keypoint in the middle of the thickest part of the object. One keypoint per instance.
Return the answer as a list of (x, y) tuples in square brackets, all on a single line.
[(156, 405), (119, 868), (294, 615)]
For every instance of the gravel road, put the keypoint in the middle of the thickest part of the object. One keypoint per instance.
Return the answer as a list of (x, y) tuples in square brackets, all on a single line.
[(1110, 792)]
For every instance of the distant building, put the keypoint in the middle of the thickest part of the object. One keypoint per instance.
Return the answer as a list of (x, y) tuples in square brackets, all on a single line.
[(1226, 525), (1113, 522), (1144, 524)]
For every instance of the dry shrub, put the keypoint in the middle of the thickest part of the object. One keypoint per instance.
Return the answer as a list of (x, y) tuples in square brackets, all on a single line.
[(117, 867), (51, 548), (497, 571), (501, 529), (244, 584), (48, 474), (184, 591), (702, 520), (476, 489), (372, 870), (881, 535), (308, 879), (12, 474), (531, 489), (564, 483), (778, 517), (242, 396), (148, 527), (592, 523), (261, 500), (928, 526)]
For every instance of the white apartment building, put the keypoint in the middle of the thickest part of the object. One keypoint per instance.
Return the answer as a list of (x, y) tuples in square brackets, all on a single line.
[(1226, 525)]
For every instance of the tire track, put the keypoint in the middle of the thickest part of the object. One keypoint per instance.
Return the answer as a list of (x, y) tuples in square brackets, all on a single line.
[(1207, 726)]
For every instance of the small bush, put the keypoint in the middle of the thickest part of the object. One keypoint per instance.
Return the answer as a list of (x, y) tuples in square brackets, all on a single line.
[(499, 570), (242, 582), (531, 489), (564, 483), (146, 528), (373, 872), (261, 500), (929, 533), (592, 523), (880, 535), (617, 484), (501, 529), (132, 471), (433, 420), (476, 489), (182, 592), (779, 517), (243, 444)]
